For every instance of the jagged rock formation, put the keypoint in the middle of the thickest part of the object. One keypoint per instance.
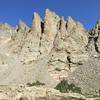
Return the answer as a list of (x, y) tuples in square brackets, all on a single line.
[(93, 41), (36, 25), (49, 51), (87, 76)]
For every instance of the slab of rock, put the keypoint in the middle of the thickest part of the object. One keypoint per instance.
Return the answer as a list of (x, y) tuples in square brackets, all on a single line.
[(35, 93)]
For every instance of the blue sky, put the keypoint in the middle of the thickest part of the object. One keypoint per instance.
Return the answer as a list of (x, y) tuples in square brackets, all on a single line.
[(86, 11)]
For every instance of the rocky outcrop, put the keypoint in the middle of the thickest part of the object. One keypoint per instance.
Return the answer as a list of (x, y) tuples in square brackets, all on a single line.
[(50, 23), (87, 75), (22, 27), (50, 30), (25, 43), (97, 36), (6, 27), (78, 35), (36, 25), (48, 51), (55, 39), (36, 93), (75, 37), (53, 34), (93, 40)]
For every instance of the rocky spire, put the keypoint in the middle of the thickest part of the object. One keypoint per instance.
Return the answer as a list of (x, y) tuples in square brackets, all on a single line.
[(96, 37), (62, 24), (97, 26), (50, 23), (70, 24), (36, 25), (62, 27), (22, 26)]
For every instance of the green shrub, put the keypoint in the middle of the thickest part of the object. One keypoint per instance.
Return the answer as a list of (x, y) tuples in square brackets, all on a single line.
[(37, 83), (64, 87)]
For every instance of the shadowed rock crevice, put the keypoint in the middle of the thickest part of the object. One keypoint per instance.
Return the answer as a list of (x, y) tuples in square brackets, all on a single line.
[(42, 27)]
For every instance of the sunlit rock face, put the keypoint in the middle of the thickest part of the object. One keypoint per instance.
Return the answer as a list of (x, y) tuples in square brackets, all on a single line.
[(36, 25), (51, 21), (48, 51)]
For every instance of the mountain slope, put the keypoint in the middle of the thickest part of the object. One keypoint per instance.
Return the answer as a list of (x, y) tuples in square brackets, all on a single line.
[(49, 51)]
